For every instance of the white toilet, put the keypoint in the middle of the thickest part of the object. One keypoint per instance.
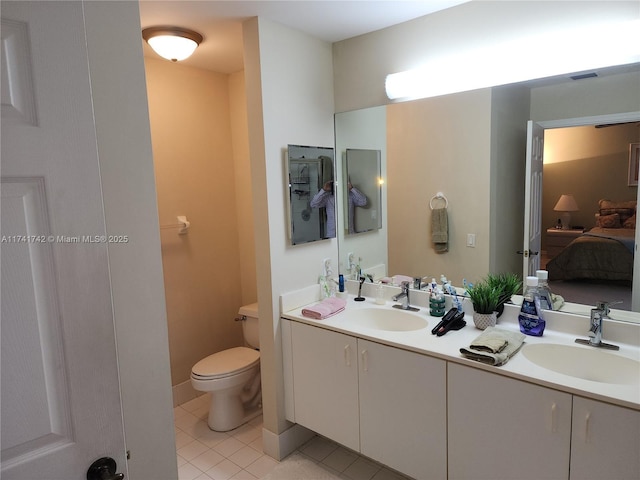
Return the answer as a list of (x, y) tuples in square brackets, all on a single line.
[(233, 378)]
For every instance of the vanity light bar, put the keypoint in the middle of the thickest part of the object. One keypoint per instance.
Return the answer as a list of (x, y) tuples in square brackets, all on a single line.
[(528, 58)]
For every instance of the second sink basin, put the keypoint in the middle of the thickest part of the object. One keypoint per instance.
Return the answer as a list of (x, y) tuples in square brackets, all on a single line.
[(386, 319), (586, 363)]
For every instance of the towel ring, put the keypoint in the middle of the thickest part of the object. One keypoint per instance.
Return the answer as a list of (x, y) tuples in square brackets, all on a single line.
[(438, 196)]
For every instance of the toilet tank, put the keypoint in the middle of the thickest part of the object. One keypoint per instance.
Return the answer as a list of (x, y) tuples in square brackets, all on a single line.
[(250, 328)]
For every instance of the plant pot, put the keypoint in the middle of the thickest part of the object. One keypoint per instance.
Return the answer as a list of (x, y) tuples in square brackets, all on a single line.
[(484, 320)]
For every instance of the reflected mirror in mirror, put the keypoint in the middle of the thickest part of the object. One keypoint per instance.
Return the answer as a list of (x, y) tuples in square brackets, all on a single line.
[(362, 190), (310, 173), (543, 101)]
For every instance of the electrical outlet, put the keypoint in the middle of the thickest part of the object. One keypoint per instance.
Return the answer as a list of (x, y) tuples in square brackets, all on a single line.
[(471, 240)]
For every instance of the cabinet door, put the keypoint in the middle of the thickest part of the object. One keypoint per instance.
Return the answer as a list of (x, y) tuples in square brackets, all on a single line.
[(605, 441), (505, 428), (403, 410), (325, 383)]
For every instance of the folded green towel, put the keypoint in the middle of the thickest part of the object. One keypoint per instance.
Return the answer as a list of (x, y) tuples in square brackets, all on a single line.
[(494, 346)]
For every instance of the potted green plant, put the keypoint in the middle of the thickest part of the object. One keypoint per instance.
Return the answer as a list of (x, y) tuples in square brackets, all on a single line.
[(486, 299), (508, 284)]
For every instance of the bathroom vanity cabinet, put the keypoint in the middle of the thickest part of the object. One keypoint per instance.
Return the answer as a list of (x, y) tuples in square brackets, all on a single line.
[(386, 403), (429, 417), (535, 432)]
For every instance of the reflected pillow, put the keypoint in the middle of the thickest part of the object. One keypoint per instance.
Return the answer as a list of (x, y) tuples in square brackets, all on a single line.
[(626, 209), (630, 222), (608, 221)]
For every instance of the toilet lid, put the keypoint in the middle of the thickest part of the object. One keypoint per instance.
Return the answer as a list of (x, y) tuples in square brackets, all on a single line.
[(227, 362)]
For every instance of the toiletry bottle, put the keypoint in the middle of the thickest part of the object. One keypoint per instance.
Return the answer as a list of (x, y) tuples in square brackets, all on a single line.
[(546, 301), (380, 300), (436, 302), (530, 318), (341, 283)]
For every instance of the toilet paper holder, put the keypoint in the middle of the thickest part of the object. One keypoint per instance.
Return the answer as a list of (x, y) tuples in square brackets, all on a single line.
[(182, 225)]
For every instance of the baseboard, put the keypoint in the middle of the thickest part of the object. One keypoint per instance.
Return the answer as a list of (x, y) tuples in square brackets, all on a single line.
[(183, 392), (282, 445)]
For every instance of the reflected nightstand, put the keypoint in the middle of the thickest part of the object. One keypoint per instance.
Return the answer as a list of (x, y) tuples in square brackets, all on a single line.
[(557, 239)]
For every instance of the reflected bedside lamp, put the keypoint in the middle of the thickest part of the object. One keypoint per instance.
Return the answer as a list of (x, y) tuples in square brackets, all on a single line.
[(566, 204)]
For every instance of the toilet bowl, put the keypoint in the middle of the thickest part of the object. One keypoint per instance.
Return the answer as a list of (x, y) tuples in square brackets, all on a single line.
[(232, 377)]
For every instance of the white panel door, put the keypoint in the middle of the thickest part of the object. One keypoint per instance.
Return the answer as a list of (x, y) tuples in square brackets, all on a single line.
[(403, 410), (325, 383), (605, 441), (533, 199), (500, 428), (60, 406)]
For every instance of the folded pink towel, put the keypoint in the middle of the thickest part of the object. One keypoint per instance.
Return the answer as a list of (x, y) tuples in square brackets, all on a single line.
[(326, 308)]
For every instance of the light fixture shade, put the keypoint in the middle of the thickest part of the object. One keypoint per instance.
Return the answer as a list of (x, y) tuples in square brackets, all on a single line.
[(172, 43), (566, 203)]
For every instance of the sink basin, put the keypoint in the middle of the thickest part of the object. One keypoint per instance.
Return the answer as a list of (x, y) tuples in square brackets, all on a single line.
[(587, 363), (386, 319)]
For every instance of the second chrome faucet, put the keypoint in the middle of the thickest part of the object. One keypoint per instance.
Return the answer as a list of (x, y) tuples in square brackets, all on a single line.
[(403, 297), (598, 314)]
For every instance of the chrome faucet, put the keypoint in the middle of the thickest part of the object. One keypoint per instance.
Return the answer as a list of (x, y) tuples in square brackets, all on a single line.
[(404, 297), (595, 331)]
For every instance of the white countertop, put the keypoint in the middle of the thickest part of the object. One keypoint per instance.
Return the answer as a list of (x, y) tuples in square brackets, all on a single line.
[(447, 347)]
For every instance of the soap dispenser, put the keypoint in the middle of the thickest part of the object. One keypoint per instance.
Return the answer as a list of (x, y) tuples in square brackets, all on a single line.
[(530, 318), (380, 300)]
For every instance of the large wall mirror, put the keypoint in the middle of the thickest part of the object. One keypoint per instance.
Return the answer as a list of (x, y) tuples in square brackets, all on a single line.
[(472, 148), (310, 176)]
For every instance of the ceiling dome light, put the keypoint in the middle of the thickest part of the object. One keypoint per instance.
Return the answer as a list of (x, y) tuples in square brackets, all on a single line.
[(172, 43)]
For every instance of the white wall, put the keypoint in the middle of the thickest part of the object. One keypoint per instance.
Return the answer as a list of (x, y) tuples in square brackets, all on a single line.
[(289, 82), (128, 185), (362, 63), (589, 97)]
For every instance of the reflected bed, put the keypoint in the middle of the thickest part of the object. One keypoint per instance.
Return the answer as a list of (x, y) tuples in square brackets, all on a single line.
[(599, 254)]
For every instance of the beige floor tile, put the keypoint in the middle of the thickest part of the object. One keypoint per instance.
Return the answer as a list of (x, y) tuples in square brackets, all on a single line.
[(262, 466), (340, 459), (362, 469), (318, 448), (207, 460), (245, 456), (192, 450), (224, 470)]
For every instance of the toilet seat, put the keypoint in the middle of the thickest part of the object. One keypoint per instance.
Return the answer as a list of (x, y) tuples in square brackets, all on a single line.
[(226, 363)]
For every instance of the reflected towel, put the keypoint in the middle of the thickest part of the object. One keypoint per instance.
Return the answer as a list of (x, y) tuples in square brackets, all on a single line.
[(439, 229), (326, 308), (494, 346)]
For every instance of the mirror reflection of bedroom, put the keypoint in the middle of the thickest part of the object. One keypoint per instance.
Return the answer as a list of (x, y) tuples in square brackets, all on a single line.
[(589, 211)]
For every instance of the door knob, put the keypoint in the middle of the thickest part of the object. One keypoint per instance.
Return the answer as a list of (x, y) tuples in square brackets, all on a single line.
[(104, 469)]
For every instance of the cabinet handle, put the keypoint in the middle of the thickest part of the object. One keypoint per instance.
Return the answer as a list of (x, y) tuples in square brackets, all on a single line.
[(365, 360), (587, 427), (554, 423), (347, 355)]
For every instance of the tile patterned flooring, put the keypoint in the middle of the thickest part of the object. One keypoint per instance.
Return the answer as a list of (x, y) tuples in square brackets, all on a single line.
[(207, 455)]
